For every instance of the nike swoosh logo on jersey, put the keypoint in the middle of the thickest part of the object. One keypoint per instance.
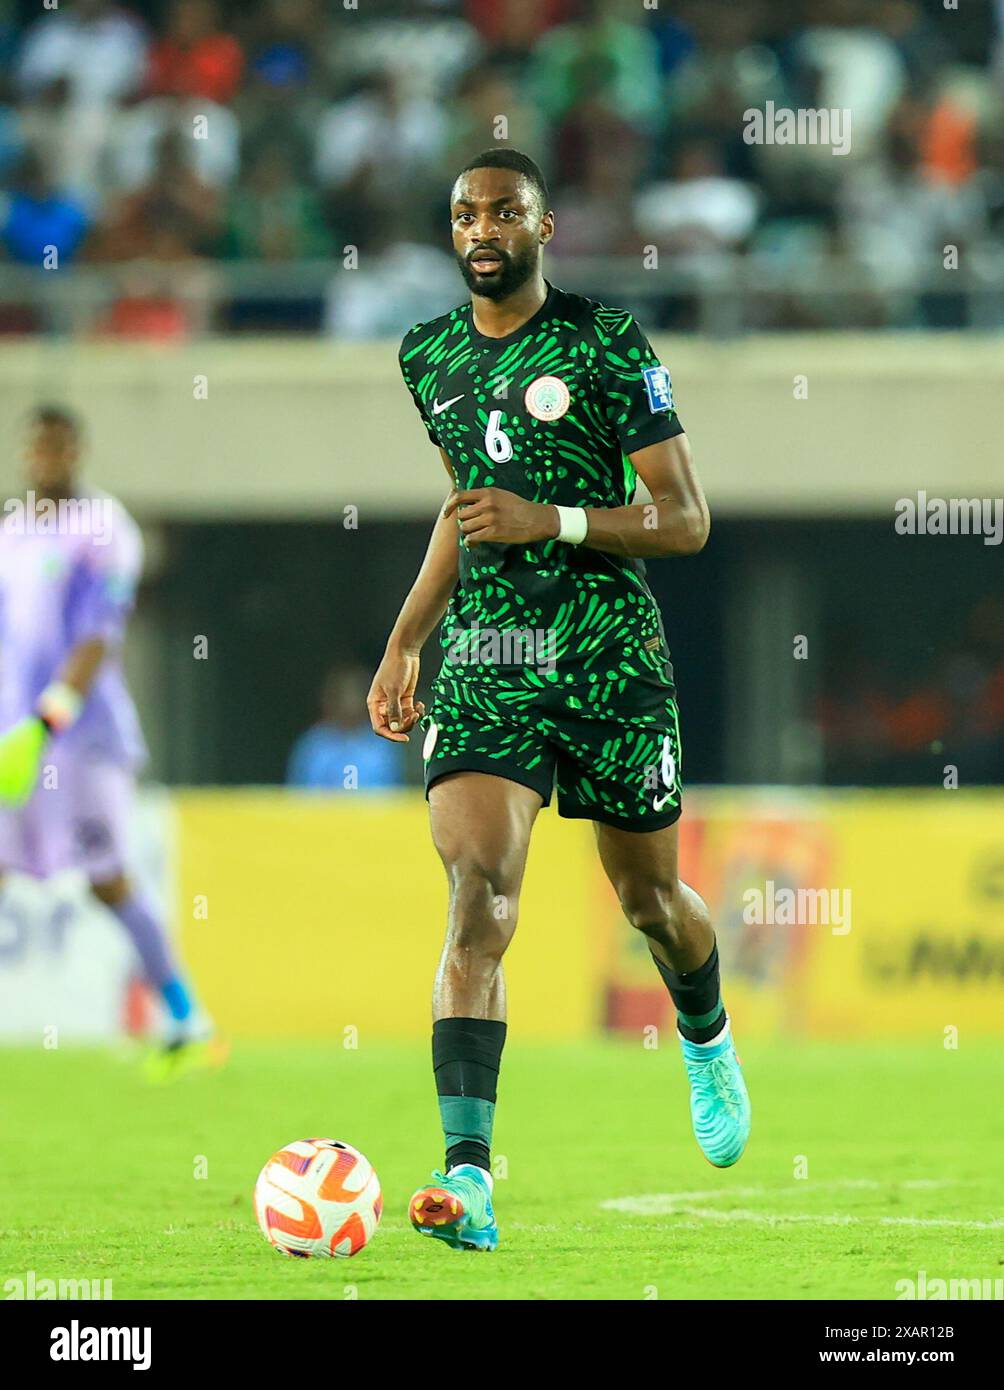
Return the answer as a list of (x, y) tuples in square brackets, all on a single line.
[(439, 406), (658, 802)]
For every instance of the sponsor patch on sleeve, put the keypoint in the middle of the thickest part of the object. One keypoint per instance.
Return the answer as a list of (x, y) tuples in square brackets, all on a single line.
[(658, 388)]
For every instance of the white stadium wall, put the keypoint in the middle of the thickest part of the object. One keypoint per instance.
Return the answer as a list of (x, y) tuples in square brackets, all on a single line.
[(785, 425)]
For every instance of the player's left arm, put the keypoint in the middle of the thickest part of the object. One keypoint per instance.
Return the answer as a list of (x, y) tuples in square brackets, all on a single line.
[(82, 664), (675, 522)]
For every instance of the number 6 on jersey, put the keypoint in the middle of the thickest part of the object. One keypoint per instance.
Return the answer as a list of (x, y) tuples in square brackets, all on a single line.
[(497, 443)]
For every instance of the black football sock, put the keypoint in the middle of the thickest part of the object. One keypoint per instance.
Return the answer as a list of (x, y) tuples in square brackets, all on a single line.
[(466, 1055), (697, 995)]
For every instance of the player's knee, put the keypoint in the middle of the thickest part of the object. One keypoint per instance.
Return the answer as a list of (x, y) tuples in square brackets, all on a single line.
[(483, 906), (652, 907)]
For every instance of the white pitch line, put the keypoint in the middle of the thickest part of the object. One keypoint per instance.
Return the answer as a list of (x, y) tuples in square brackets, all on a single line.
[(660, 1203), (996, 1225), (682, 1204)]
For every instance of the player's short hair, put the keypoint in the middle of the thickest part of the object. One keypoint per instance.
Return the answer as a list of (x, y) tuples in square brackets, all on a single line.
[(502, 157), (49, 414)]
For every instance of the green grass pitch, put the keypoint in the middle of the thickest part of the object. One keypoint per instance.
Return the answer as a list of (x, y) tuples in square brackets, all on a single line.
[(902, 1144)]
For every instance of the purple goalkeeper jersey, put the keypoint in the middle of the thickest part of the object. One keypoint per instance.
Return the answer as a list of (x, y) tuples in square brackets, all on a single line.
[(63, 580)]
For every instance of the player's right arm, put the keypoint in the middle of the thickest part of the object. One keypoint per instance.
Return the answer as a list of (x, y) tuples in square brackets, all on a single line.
[(392, 706)]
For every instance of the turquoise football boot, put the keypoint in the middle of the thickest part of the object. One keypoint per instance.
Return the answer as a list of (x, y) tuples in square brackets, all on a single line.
[(719, 1103), (457, 1209)]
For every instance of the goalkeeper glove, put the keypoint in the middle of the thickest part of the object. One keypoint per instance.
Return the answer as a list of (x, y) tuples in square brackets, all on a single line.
[(20, 759), (22, 746)]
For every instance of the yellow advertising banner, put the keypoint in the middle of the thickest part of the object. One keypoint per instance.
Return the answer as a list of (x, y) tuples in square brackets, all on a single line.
[(858, 914), (304, 915)]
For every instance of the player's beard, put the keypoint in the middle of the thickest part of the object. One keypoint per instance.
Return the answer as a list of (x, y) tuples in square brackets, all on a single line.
[(515, 272)]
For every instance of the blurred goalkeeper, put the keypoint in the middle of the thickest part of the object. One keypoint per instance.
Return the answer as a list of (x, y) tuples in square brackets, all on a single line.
[(70, 741)]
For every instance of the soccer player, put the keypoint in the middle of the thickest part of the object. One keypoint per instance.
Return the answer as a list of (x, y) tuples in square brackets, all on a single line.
[(70, 741), (546, 408)]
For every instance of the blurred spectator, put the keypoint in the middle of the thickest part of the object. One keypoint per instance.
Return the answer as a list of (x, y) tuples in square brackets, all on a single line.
[(395, 285), (283, 93), (70, 140), (96, 50), (174, 216), (195, 58), (273, 216), (948, 144), (675, 40), (485, 95), (372, 147), (853, 69), (512, 27), (593, 217), (287, 44), (921, 48), (725, 70), (701, 210), (605, 57), (161, 231), (147, 311), (593, 125), (895, 219), (378, 136), (75, 68), (12, 138), (208, 141), (36, 219), (341, 752), (430, 49)]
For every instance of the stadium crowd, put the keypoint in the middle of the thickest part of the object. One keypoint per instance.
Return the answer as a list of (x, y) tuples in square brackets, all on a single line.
[(883, 722), (197, 133)]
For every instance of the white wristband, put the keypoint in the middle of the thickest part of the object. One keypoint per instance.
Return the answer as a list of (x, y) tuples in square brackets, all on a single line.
[(573, 523), (59, 705)]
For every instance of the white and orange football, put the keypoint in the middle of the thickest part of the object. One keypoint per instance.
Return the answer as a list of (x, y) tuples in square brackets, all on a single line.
[(318, 1197)]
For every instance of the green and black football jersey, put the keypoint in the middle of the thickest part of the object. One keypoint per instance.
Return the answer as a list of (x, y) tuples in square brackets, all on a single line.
[(551, 412)]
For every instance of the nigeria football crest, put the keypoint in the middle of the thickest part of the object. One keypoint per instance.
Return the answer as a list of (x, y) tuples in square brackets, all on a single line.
[(547, 398)]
